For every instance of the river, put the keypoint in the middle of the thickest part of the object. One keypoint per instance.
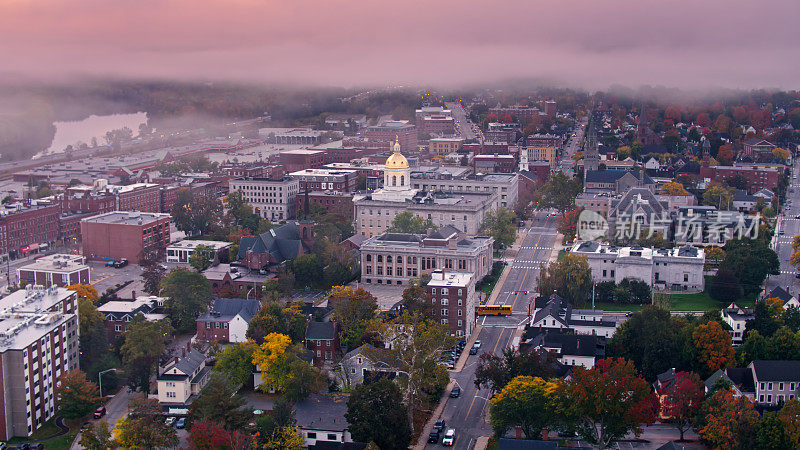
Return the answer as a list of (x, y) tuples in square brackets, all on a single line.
[(70, 133)]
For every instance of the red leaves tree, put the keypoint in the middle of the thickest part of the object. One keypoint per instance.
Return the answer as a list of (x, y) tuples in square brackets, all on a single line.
[(605, 403), (703, 119), (207, 435), (672, 113), (725, 154), (729, 421), (681, 400), (76, 395)]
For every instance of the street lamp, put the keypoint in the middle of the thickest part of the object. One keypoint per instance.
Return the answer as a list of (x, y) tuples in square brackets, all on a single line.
[(100, 379)]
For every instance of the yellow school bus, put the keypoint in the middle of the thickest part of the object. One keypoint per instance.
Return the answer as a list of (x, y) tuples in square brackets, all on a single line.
[(493, 310)]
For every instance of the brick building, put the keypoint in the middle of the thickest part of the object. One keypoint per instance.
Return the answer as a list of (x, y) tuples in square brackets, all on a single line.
[(24, 228), (444, 146), (494, 164), (322, 338), (117, 314), (342, 180), (227, 320), (333, 202), (453, 297), (56, 270), (38, 344), (293, 160), (758, 177), (122, 234), (404, 132), (102, 197)]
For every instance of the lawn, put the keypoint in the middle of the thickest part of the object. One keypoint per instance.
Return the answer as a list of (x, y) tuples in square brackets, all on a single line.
[(49, 429), (699, 301)]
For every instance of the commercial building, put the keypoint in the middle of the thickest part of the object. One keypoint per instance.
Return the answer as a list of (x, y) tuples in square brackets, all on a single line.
[(389, 131), (518, 112), (117, 314), (542, 147), (395, 258), (758, 176), (126, 235), (227, 320), (181, 251), (334, 202), (555, 313), (272, 199), (227, 281), (502, 132), (453, 297), (303, 136), (445, 146), (676, 269), (505, 186), (616, 181), (38, 344), (494, 164), (27, 228), (342, 180), (56, 270)]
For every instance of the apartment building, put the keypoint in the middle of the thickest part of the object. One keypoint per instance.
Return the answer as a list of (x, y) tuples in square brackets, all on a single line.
[(272, 199), (57, 269), (121, 234), (453, 297)]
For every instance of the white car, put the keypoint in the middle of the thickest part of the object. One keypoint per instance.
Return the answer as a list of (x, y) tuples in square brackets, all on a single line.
[(170, 420), (477, 344), (449, 437)]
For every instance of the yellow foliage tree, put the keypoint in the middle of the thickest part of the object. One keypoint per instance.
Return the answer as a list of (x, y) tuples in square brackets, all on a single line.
[(781, 153), (89, 316), (86, 291), (271, 357), (673, 188)]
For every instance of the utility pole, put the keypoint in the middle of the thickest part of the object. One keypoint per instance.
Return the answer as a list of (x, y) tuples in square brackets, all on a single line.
[(593, 285)]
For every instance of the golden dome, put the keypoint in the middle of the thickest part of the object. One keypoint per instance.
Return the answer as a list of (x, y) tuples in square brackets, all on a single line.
[(397, 161)]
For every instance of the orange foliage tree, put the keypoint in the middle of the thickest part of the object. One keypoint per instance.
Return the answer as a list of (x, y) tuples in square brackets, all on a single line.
[(682, 400), (713, 345), (729, 421)]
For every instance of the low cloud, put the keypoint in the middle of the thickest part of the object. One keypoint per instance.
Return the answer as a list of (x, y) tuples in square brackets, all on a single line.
[(592, 44)]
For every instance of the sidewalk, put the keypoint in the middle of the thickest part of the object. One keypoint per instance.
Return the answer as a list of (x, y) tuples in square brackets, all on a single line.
[(437, 413)]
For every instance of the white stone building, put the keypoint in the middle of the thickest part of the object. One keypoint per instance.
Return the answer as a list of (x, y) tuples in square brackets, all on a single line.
[(272, 199), (676, 269)]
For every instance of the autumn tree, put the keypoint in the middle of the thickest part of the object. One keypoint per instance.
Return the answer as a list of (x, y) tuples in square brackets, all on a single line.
[(87, 297), (673, 188), (494, 372), (790, 418), (188, 295), (144, 426), (220, 403), (76, 395), (376, 413), (728, 421), (718, 195), (273, 361), (714, 346), (725, 154), (501, 225), (236, 362), (526, 402), (568, 225), (353, 309), (608, 401), (97, 436), (770, 433), (682, 399), (144, 344), (207, 435), (571, 277), (273, 318), (417, 301), (284, 438)]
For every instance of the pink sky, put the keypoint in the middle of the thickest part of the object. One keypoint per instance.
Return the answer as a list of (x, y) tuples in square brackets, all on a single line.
[(592, 43)]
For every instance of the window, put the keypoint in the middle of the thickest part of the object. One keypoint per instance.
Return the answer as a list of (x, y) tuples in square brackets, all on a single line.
[(444, 311), (761, 387), (216, 324), (369, 257), (444, 291), (331, 437), (312, 435), (118, 328), (444, 302), (780, 386), (433, 291), (769, 386), (769, 398)]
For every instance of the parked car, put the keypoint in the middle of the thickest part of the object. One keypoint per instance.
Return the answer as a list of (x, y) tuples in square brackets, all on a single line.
[(120, 263), (85, 426), (477, 344), (449, 437), (455, 393), (170, 420), (99, 412), (439, 425), (181, 423), (473, 351), (110, 263), (433, 437)]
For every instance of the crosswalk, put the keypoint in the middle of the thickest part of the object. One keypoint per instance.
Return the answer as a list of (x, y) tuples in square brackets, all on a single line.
[(536, 248), (528, 264)]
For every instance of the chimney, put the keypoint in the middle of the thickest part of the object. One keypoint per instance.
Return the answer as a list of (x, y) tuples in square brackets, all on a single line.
[(176, 360), (133, 295), (184, 352), (189, 346)]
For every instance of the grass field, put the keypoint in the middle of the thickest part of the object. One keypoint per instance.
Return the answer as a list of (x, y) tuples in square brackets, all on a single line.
[(699, 301), (48, 429)]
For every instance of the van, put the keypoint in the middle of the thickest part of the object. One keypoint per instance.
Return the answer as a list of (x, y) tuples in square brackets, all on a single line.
[(449, 437)]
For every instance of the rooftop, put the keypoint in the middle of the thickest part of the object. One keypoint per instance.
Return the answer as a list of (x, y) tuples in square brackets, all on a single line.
[(322, 412), (127, 218), (323, 172), (34, 298), (446, 279), (20, 330), (192, 244), (57, 263), (130, 306)]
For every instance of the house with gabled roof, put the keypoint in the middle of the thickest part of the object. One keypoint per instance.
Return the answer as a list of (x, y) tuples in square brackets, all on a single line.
[(118, 313), (227, 320), (567, 347), (737, 317), (181, 380), (274, 247), (555, 313), (775, 381), (322, 338), (365, 364), (320, 418)]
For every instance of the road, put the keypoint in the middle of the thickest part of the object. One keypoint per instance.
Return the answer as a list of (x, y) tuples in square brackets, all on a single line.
[(467, 414), (782, 243), (566, 163), (463, 126)]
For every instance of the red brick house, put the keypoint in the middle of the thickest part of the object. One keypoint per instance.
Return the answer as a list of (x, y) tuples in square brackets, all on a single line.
[(227, 320), (322, 338)]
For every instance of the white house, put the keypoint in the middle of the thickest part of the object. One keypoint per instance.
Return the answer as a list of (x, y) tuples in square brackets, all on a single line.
[(181, 380), (652, 164), (737, 318), (320, 418), (570, 349), (557, 313)]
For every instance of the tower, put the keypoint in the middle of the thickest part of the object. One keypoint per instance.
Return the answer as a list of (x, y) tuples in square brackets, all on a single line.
[(396, 173), (523, 154), (706, 152), (591, 155)]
